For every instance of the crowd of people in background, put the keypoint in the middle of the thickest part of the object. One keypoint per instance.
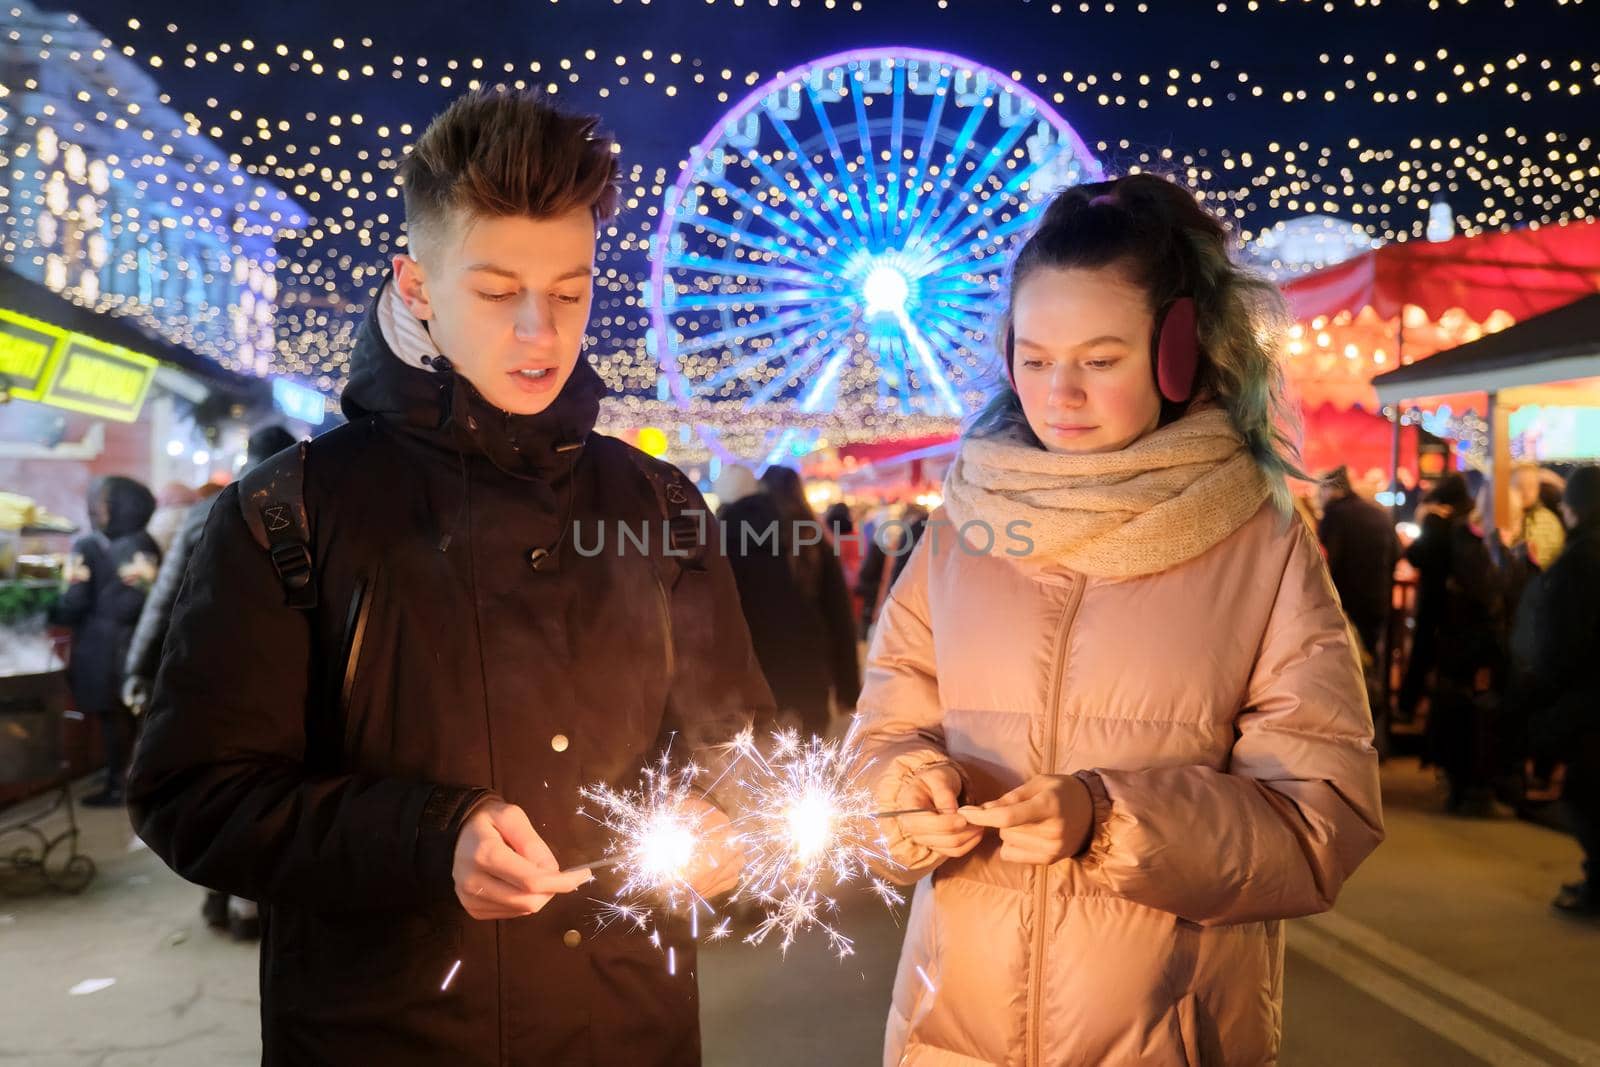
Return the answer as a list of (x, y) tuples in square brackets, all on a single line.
[(1501, 648), (122, 581), (1501, 643)]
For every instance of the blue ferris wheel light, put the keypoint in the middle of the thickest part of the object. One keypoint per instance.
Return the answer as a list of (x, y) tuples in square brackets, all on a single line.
[(885, 290), (836, 241)]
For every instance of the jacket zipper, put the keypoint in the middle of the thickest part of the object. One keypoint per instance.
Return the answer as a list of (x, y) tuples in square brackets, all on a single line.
[(1041, 892), (355, 633), (665, 606)]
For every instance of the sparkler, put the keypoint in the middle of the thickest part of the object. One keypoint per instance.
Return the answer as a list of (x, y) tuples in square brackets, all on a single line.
[(656, 837), (809, 827)]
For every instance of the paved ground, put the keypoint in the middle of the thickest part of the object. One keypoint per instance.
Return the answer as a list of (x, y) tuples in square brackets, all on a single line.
[(1443, 951)]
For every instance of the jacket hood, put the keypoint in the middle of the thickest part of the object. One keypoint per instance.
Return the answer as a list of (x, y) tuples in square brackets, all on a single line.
[(119, 506)]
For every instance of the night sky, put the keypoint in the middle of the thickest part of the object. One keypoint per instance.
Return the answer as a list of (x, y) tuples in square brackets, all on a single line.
[(1288, 158)]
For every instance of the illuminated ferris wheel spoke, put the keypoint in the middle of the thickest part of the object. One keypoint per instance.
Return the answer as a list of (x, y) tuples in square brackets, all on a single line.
[(857, 210), (950, 331), (945, 325), (778, 348), (818, 219), (820, 187), (745, 268), (765, 298), (870, 289), (1004, 195), (897, 124), (948, 171), (824, 380), (966, 318), (768, 214), (816, 350), (962, 317), (864, 139), (743, 333), (930, 364), (930, 138), (949, 229), (1005, 231), (994, 261), (740, 235), (955, 285)]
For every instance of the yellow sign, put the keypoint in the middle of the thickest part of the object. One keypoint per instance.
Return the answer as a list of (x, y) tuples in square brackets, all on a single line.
[(101, 379), (29, 350)]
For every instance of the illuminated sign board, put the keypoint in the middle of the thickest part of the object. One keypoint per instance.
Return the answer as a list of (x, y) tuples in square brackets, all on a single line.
[(298, 402), (72, 370), (1549, 434), (28, 349)]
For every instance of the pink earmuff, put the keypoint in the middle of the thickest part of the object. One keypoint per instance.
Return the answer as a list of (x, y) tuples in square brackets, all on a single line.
[(1177, 352)]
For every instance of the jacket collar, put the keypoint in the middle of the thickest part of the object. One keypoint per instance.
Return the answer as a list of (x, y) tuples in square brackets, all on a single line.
[(430, 399)]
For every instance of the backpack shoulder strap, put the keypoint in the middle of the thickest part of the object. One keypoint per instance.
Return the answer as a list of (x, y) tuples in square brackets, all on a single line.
[(272, 497), (687, 533)]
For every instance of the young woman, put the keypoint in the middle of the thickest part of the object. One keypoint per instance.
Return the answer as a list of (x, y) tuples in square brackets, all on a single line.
[(1119, 678)]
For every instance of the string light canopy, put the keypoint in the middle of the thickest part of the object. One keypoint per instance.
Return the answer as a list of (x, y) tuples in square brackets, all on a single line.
[(113, 199), (1371, 113)]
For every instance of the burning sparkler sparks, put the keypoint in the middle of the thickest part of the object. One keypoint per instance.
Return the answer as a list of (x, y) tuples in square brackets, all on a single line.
[(657, 836), (809, 827)]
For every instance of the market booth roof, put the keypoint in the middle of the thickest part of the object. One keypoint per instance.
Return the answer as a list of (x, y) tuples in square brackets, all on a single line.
[(1521, 272), (1543, 359)]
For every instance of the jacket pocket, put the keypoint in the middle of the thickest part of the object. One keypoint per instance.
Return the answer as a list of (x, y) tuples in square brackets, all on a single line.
[(342, 966)]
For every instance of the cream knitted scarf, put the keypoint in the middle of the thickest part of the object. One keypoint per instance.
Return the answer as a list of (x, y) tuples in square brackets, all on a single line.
[(1163, 500)]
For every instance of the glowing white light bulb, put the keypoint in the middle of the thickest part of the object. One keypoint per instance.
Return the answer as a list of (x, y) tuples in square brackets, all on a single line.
[(886, 290)]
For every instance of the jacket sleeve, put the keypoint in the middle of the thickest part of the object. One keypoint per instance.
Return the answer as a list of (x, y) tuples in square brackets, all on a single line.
[(144, 651), (1276, 834), (717, 687), (76, 600), (123, 600), (899, 718), (220, 788)]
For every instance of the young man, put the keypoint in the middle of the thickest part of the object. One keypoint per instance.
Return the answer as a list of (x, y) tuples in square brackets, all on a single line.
[(394, 772)]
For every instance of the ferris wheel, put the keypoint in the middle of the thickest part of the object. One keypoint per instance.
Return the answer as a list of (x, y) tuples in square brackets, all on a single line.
[(836, 241)]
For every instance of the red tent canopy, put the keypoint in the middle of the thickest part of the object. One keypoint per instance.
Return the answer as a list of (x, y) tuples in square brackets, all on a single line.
[(1351, 438), (1523, 272)]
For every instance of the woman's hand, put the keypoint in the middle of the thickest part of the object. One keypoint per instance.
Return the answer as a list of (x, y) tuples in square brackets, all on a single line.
[(936, 790), (1041, 821), (718, 860)]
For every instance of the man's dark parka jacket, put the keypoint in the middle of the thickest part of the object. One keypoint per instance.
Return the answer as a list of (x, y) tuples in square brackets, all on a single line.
[(323, 762)]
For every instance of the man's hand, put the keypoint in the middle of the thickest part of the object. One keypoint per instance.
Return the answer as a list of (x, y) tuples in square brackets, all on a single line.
[(136, 693), (936, 790), (718, 861), (503, 869), (1046, 819)]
